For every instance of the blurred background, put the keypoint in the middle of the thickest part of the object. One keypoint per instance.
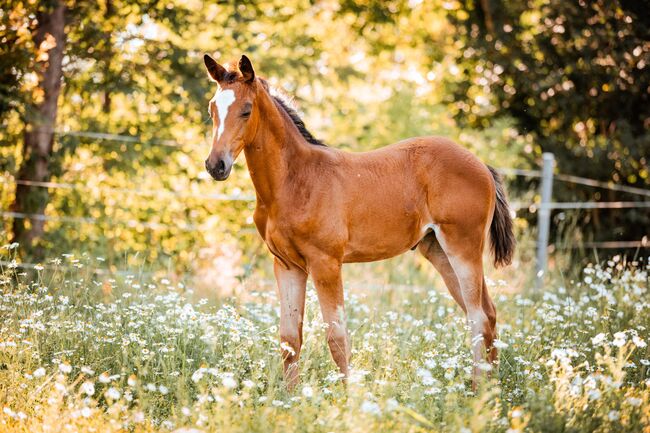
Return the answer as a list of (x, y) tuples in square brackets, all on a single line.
[(103, 107)]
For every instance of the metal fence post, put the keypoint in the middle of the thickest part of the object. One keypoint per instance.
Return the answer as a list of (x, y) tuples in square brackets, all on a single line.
[(544, 216)]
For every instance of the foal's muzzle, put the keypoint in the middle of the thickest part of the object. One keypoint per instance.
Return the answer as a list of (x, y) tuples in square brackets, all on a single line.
[(220, 170)]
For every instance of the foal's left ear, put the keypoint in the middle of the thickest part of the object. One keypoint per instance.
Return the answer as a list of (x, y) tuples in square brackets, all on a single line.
[(246, 69)]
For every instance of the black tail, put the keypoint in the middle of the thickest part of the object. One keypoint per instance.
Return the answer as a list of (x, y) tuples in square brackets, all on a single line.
[(502, 238)]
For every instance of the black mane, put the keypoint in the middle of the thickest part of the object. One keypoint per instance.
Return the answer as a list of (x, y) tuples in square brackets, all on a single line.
[(295, 118)]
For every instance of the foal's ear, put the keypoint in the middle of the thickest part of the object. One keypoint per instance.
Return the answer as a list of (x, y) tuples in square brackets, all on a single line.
[(246, 69), (216, 71)]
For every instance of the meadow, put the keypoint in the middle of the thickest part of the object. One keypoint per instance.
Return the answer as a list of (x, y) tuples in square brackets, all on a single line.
[(83, 352), (137, 296)]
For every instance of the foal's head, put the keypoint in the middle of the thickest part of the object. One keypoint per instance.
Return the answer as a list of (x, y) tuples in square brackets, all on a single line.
[(231, 110)]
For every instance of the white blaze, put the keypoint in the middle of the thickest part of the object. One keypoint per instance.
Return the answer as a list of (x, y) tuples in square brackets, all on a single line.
[(224, 100)]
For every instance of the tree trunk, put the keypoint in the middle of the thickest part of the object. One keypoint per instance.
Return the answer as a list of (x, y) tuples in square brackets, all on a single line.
[(108, 57), (39, 126), (487, 14)]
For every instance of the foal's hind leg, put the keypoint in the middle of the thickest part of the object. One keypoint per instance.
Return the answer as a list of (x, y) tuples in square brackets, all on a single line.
[(430, 248), (464, 249)]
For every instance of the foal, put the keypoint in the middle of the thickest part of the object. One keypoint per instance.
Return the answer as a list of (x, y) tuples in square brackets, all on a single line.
[(319, 207)]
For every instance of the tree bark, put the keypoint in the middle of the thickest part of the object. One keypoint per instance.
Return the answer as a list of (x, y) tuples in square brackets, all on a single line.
[(108, 57), (487, 14), (40, 124)]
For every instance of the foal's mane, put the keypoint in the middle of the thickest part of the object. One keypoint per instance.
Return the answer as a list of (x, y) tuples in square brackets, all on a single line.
[(286, 104)]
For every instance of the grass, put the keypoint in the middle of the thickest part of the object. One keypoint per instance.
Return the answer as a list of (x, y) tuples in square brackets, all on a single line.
[(80, 352)]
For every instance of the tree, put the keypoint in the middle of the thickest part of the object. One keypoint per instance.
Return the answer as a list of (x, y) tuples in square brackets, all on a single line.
[(574, 76), (49, 41)]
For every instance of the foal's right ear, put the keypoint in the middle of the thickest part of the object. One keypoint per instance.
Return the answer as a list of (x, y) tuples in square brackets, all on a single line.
[(215, 70)]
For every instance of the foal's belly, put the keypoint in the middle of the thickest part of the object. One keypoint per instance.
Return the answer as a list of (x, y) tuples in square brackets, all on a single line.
[(379, 240)]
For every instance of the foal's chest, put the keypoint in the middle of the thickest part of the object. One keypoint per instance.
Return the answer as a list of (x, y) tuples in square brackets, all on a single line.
[(276, 241)]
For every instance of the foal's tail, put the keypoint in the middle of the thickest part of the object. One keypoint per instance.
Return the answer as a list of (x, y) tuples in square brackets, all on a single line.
[(502, 238)]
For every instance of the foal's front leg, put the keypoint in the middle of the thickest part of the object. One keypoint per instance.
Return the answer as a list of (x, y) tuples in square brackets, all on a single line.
[(326, 274), (292, 284)]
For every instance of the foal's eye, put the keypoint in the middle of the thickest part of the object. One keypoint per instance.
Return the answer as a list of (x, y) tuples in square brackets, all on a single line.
[(246, 114)]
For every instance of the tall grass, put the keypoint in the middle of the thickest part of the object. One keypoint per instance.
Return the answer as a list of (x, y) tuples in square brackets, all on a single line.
[(80, 352)]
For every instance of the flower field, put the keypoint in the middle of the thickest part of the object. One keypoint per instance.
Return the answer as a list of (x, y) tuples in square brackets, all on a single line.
[(84, 352)]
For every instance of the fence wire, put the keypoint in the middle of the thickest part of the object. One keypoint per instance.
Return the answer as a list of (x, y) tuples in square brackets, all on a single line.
[(508, 171)]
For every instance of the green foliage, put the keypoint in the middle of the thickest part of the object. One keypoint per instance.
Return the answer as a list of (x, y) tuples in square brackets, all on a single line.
[(135, 69), (507, 85), (574, 76)]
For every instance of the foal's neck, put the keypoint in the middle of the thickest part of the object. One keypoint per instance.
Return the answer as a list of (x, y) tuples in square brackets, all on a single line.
[(277, 145)]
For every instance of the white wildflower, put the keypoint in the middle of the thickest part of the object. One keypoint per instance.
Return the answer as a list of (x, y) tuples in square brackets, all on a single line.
[(619, 339), (39, 372), (229, 382), (598, 339), (287, 348), (484, 366), (198, 375), (87, 388), (370, 407), (634, 401), (112, 393), (307, 391), (391, 404), (639, 342), (594, 394)]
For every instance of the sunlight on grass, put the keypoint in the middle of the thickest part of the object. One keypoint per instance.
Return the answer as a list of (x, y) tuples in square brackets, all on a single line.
[(79, 353)]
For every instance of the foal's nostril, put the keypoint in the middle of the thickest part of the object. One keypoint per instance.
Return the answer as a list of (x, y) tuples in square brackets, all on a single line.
[(222, 166)]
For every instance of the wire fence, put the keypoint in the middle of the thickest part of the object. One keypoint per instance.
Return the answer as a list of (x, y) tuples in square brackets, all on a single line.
[(544, 207)]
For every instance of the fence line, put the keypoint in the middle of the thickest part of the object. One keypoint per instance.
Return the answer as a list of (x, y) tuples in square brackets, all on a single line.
[(519, 172), (503, 170), (128, 223), (94, 221), (36, 266), (642, 243), (596, 205), (250, 198), (600, 184), (119, 138), (546, 174), (165, 192)]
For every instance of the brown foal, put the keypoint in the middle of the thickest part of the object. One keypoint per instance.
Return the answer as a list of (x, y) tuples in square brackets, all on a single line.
[(319, 207)]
